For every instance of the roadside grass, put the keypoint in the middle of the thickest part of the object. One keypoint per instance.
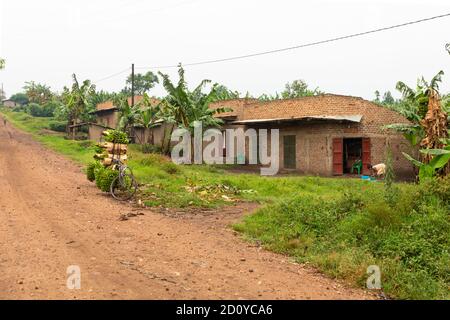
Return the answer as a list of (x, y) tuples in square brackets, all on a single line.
[(79, 151), (343, 235), (341, 226)]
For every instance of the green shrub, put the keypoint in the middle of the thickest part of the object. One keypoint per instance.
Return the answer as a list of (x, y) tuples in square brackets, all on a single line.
[(46, 110), (104, 177), (170, 168), (150, 148), (153, 159), (58, 126), (439, 187)]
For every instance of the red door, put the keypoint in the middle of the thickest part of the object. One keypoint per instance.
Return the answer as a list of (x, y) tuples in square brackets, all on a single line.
[(338, 156), (366, 155)]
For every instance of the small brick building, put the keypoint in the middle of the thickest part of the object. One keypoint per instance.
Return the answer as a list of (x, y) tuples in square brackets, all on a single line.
[(324, 134), (107, 117)]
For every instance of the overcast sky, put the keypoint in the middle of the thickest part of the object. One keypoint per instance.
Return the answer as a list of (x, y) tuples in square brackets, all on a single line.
[(48, 40)]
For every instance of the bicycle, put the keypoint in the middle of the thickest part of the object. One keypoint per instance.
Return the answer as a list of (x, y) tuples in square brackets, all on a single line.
[(124, 186)]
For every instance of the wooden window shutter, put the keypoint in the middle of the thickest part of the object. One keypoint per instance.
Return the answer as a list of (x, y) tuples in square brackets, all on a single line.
[(338, 156), (366, 155)]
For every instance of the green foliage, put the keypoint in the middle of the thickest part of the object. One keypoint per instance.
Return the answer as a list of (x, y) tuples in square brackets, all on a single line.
[(77, 101), (104, 178), (92, 169), (390, 191), (58, 126), (408, 239), (183, 107), (2, 63), (116, 136), (38, 93), (142, 83), (297, 89), (170, 168), (428, 170), (20, 98), (45, 110), (150, 148)]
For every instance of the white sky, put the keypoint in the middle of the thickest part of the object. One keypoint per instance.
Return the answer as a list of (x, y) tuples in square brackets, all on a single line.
[(48, 40)]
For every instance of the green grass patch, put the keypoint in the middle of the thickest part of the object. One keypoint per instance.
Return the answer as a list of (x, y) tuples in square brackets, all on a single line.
[(345, 233)]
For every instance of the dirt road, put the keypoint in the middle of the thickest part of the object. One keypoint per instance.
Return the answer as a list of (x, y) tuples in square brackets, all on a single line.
[(51, 217)]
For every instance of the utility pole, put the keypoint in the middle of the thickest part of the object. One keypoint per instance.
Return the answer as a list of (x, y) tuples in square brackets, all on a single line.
[(132, 84)]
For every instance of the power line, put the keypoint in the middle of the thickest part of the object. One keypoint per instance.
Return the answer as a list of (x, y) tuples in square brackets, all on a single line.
[(301, 45), (111, 76)]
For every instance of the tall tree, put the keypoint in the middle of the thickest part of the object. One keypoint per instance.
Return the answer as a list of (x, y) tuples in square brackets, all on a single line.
[(184, 107), (142, 83), (20, 98), (377, 97), (76, 101), (298, 88), (388, 99), (37, 92)]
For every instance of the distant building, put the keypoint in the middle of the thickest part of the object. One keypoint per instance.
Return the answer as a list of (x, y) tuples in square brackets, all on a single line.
[(107, 117), (9, 103)]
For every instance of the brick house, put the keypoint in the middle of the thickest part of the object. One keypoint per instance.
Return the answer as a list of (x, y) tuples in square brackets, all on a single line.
[(324, 134), (107, 117)]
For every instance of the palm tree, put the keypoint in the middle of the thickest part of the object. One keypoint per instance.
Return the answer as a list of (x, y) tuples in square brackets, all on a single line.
[(77, 100)]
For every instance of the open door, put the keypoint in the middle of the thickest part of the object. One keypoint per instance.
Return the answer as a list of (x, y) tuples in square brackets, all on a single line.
[(366, 155), (338, 156)]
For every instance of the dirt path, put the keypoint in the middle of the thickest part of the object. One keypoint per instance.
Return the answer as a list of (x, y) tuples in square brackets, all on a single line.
[(51, 217)]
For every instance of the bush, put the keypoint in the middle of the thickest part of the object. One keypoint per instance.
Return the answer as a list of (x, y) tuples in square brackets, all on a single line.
[(104, 177), (58, 126), (170, 168), (150, 148), (439, 187), (408, 239), (91, 170), (46, 110)]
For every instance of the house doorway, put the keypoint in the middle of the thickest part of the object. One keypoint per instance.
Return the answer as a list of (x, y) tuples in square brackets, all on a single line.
[(289, 152), (353, 154)]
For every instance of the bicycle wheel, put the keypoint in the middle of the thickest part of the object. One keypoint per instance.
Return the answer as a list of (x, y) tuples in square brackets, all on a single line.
[(124, 186)]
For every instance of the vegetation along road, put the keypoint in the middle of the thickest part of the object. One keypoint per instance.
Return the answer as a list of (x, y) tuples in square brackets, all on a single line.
[(52, 217)]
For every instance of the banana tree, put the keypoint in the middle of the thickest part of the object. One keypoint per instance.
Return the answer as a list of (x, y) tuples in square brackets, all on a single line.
[(182, 107), (148, 115), (439, 160), (128, 114), (76, 101)]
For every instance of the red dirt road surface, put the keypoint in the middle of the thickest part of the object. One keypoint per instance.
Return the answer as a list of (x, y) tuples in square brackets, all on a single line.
[(51, 217)]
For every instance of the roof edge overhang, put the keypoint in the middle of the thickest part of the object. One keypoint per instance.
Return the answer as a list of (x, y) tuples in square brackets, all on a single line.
[(104, 110), (345, 118)]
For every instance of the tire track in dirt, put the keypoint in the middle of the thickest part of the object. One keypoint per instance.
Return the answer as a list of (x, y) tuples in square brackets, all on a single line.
[(52, 217)]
